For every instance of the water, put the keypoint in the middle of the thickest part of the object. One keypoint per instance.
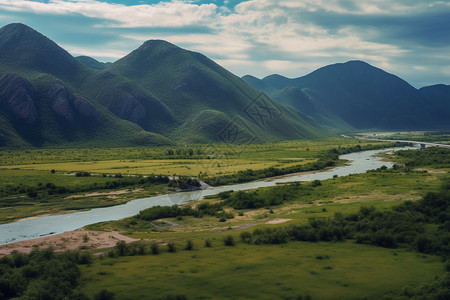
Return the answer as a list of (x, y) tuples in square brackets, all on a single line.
[(359, 162)]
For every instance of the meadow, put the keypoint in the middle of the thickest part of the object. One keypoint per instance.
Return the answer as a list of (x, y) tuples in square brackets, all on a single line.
[(291, 241), (202, 263), (45, 181), (340, 270), (290, 270)]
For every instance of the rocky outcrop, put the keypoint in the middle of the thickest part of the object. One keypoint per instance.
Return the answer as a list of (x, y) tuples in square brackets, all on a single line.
[(69, 107), (129, 107), (18, 98)]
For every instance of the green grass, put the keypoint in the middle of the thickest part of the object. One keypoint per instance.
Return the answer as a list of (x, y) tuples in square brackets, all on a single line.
[(23, 169), (263, 272), (381, 189), (441, 137), (323, 270)]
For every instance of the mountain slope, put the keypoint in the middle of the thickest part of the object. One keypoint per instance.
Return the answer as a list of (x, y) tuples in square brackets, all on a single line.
[(156, 93), (363, 96), (42, 102), (190, 84), (24, 49), (92, 63), (439, 100)]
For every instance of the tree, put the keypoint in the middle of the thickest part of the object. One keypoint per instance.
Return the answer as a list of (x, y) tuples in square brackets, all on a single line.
[(189, 245), (171, 247), (121, 247), (154, 248), (228, 240)]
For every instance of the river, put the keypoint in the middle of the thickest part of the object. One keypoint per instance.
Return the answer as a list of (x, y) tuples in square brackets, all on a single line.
[(359, 162)]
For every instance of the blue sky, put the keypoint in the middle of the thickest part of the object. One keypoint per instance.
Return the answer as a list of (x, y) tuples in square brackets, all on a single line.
[(409, 38)]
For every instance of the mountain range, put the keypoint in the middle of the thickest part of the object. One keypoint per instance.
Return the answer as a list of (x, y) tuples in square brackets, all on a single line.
[(357, 96), (163, 94), (157, 94)]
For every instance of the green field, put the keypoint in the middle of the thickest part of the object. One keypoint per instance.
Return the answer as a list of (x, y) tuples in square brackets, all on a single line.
[(25, 174), (292, 270), (347, 271), (268, 258)]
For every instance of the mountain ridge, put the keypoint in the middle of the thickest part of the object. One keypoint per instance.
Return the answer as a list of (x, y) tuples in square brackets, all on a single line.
[(363, 96), (159, 93)]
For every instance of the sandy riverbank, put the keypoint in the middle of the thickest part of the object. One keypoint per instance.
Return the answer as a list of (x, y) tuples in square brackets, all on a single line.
[(71, 240)]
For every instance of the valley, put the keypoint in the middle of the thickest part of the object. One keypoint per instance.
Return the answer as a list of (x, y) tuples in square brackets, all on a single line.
[(36, 182), (350, 269), (163, 175)]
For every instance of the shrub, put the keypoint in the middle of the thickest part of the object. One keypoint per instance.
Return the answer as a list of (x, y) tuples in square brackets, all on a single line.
[(121, 247), (207, 243), (104, 295), (171, 247), (228, 240), (189, 245), (246, 237), (315, 183), (141, 249), (154, 248)]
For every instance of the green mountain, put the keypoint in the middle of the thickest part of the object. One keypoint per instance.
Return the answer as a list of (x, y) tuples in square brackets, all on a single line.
[(438, 97), (157, 94), (42, 101), (357, 94), (205, 98), (92, 63)]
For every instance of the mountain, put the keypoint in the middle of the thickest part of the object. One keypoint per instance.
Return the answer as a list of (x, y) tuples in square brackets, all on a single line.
[(43, 102), (22, 49), (204, 97), (358, 95), (92, 63), (157, 94), (439, 98)]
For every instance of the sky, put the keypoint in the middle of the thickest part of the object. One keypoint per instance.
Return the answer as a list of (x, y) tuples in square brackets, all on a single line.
[(409, 38)]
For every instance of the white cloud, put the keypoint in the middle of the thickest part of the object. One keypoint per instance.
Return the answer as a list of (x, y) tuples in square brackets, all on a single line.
[(257, 36), (170, 14)]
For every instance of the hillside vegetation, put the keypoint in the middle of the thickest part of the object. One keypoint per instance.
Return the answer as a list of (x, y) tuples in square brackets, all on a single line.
[(357, 96), (156, 95)]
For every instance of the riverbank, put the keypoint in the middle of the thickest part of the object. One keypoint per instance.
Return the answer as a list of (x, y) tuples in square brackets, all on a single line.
[(71, 240), (359, 162)]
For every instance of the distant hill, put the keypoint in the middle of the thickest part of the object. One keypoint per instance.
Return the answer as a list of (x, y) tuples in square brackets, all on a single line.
[(92, 63), (158, 94), (357, 95), (438, 97)]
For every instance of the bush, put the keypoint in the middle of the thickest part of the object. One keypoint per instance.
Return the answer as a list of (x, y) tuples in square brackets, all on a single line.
[(104, 295), (171, 247), (189, 245), (246, 237), (121, 247), (228, 240), (207, 243), (82, 174), (154, 248), (315, 183)]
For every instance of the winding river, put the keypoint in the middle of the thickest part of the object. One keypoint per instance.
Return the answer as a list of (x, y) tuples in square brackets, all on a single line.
[(359, 162)]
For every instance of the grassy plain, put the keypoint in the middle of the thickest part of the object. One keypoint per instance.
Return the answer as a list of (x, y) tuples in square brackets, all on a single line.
[(346, 271), (442, 137), (295, 270), (25, 170), (188, 160), (344, 194)]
